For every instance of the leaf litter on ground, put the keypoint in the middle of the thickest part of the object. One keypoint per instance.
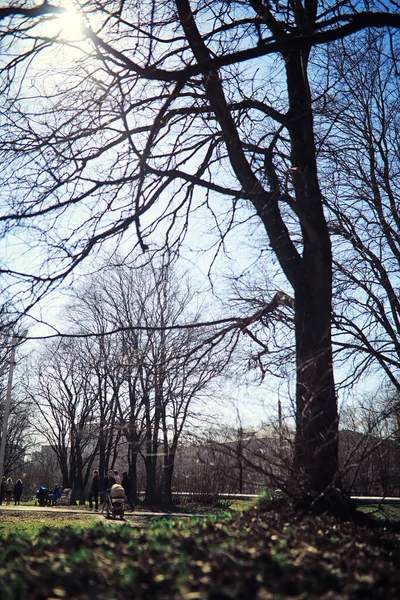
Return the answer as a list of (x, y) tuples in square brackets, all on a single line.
[(260, 554)]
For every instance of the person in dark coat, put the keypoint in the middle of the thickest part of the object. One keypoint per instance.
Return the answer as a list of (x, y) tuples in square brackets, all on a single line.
[(108, 482), (3, 489), (94, 491), (42, 495), (18, 488), (56, 495), (127, 485)]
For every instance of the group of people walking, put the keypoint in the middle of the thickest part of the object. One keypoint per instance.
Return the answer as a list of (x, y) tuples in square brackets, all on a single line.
[(10, 490), (99, 488)]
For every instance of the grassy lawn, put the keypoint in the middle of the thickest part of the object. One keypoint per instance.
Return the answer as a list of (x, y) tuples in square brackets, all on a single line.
[(31, 524), (264, 553), (386, 512)]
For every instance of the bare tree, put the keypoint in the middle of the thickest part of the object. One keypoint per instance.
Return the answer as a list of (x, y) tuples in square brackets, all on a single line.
[(168, 109), (41, 468), (163, 373), (63, 389), (362, 187), (19, 439), (226, 459), (369, 448), (14, 408)]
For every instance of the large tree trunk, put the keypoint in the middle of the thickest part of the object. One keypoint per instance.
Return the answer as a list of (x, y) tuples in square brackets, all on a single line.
[(316, 444), (316, 458)]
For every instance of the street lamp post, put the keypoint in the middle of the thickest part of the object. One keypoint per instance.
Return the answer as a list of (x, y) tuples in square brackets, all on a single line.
[(14, 343)]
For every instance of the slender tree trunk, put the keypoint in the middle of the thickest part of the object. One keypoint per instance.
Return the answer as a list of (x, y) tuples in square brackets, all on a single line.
[(133, 445), (169, 464), (133, 437), (152, 429), (133, 475), (102, 450), (239, 456), (72, 467), (62, 458), (79, 486), (151, 480)]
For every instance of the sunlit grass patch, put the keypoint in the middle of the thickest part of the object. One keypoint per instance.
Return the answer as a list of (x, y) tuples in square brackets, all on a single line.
[(242, 505), (387, 512), (30, 524)]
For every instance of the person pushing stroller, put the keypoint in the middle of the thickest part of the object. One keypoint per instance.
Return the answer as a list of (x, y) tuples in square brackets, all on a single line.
[(108, 482)]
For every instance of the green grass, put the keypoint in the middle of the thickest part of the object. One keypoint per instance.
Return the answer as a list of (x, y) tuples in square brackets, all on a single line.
[(242, 505), (31, 524), (388, 512)]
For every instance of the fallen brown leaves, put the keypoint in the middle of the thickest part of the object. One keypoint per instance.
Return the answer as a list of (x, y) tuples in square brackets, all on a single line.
[(260, 555)]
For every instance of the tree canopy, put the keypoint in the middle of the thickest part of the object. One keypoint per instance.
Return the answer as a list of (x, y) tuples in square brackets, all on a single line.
[(163, 110)]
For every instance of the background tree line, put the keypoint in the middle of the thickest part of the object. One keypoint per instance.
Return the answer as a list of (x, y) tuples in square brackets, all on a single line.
[(136, 389)]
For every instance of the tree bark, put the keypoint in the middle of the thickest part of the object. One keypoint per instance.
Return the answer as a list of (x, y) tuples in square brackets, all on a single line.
[(316, 443)]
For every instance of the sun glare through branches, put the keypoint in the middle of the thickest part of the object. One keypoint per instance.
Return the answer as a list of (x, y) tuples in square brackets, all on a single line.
[(69, 25)]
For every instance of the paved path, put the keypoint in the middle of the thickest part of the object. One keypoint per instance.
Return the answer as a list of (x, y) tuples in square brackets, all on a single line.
[(85, 511)]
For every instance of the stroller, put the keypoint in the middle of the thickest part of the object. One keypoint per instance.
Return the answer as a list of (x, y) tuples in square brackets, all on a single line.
[(115, 501)]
